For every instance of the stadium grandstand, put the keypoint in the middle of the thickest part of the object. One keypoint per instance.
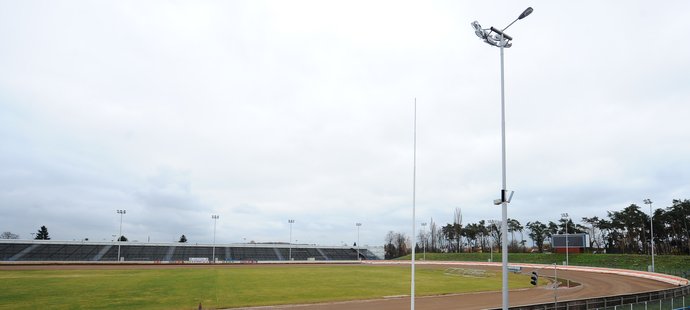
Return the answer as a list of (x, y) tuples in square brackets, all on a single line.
[(78, 251)]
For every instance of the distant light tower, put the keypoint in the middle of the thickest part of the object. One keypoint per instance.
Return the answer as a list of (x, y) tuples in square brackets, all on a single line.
[(495, 224), (358, 225), (555, 287), (424, 241), (215, 219), (290, 243), (651, 227), (119, 239), (567, 219)]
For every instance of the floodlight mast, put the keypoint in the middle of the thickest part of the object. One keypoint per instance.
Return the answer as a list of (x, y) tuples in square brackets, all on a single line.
[(290, 243), (651, 228), (358, 225), (499, 38), (567, 221), (119, 239), (215, 218)]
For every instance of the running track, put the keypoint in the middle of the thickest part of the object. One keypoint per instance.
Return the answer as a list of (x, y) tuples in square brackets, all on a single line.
[(595, 282)]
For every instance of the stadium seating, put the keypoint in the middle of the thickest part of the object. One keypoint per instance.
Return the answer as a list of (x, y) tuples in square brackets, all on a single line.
[(55, 251)]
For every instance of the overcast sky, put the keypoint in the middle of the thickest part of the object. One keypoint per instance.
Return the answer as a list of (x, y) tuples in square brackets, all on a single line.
[(264, 111)]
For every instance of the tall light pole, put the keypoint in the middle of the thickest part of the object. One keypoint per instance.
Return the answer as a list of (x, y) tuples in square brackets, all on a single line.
[(414, 205), (491, 241), (290, 250), (567, 220), (499, 38), (555, 287), (358, 225), (119, 238), (215, 219), (424, 241), (651, 227)]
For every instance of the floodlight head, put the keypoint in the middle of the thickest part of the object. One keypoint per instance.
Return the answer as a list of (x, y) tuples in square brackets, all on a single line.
[(491, 41), (478, 30), (526, 13)]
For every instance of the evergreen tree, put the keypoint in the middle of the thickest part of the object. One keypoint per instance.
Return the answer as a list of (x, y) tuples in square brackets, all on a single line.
[(538, 232), (42, 234)]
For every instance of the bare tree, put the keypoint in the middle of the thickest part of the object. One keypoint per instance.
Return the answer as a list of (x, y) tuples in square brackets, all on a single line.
[(494, 229), (403, 244), (8, 235), (389, 247)]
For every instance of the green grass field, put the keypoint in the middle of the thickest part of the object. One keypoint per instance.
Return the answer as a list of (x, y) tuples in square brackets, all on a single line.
[(237, 286), (220, 287)]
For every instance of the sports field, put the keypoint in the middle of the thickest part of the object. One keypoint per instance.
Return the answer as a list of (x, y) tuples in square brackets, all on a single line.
[(184, 287)]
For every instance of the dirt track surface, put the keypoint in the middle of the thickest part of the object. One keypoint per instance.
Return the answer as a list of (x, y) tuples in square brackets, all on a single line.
[(591, 285)]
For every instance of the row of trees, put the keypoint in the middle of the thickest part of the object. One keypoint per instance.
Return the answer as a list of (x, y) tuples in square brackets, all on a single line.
[(625, 231), (628, 230), (42, 234)]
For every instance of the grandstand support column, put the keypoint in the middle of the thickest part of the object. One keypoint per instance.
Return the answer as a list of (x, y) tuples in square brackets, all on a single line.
[(215, 219), (119, 238), (290, 242)]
